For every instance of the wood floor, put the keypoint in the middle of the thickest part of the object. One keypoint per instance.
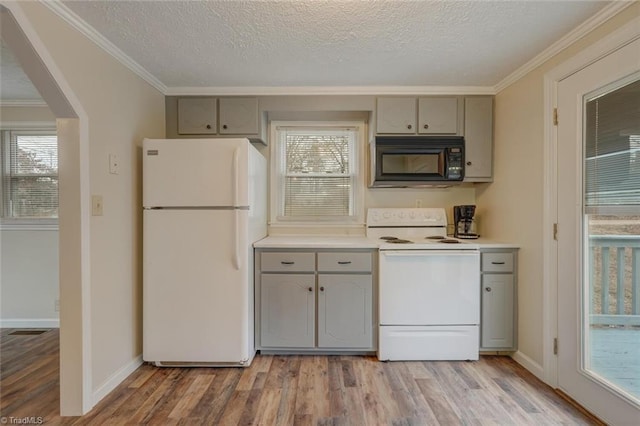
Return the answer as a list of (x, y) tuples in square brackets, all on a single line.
[(289, 390)]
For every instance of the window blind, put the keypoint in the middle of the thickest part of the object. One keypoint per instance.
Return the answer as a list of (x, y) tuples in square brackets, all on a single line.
[(31, 178), (318, 171), (612, 152)]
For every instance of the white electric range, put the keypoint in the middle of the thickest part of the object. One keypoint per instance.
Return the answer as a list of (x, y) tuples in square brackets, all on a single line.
[(429, 287)]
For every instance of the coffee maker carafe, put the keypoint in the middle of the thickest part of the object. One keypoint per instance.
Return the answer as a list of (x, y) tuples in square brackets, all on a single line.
[(464, 223)]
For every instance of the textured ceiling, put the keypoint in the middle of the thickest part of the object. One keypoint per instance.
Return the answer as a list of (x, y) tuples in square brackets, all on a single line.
[(316, 43), (332, 43)]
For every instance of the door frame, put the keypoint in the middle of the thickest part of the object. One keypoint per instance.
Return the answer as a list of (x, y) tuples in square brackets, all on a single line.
[(612, 42)]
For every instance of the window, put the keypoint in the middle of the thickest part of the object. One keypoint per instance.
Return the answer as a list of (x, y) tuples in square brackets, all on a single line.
[(315, 172), (29, 174)]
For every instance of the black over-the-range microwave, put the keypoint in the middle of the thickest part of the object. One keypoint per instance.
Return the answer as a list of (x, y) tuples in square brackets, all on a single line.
[(401, 161)]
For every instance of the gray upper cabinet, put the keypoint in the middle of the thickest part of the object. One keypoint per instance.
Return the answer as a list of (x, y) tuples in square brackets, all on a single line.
[(438, 115), (478, 136), (396, 115), (197, 116), (214, 117), (239, 116), (431, 115)]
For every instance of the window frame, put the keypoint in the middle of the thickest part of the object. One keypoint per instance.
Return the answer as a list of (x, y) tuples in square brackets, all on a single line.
[(277, 176), (7, 134)]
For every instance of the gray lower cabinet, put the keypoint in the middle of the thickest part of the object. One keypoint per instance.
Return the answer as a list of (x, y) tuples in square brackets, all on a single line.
[(311, 300), (345, 311), (498, 331), (287, 317)]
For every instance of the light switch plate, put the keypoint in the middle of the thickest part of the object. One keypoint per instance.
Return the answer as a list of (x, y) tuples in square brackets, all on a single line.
[(114, 164), (96, 205)]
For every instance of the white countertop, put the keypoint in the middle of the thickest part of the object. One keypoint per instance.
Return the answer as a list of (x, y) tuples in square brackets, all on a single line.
[(350, 241), (305, 241)]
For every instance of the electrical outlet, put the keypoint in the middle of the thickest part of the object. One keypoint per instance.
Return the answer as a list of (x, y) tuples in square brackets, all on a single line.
[(56, 305), (418, 203), (96, 205)]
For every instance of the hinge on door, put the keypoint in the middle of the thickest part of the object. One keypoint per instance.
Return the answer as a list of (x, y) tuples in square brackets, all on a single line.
[(555, 116), (555, 231), (555, 346)]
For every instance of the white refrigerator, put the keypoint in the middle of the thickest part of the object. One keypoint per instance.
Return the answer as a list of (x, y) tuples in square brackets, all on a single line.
[(204, 205)]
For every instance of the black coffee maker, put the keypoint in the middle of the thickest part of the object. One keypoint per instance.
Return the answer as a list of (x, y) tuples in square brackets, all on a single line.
[(464, 223)]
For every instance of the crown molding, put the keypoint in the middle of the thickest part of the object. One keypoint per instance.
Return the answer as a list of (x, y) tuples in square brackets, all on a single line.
[(330, 90), (574, 35), (23, 103), (88, 31)]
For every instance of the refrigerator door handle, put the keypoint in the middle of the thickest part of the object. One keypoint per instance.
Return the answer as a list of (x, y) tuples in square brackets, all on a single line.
[(236, 177), (236, 239)]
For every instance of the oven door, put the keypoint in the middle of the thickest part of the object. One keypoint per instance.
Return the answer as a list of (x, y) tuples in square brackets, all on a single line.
[(429, 287)]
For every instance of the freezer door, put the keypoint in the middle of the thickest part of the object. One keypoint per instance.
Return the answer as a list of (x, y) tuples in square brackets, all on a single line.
[(195, 172), (197, 295)]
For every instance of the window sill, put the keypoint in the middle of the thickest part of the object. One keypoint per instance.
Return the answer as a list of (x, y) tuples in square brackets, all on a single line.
[(29, 224)]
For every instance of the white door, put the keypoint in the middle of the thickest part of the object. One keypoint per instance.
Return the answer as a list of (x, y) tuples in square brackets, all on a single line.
[(599, 355), (196, 286), (195, 172)]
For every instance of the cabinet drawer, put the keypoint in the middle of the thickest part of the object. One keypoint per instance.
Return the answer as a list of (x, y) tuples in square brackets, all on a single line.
[(341, 262), (497, 262), (294, 262)]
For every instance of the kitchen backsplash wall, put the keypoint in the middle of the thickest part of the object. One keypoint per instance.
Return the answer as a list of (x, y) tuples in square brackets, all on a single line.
[(345, 108)]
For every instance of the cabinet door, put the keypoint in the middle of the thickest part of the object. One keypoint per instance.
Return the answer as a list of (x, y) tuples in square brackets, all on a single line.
[(396, 115), (497, 311), (238, 116), (344, 311), (197, 116), (438, 116), (478, 136), (287, 314)]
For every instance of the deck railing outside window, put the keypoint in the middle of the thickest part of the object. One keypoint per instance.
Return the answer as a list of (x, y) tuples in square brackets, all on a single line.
[(615, 263)]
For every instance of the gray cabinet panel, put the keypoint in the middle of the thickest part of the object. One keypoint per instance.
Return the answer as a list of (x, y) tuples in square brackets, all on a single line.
[(238, 116), (288, 262), (478, 136), (197, 116), (497, 311), (345, 311), (344, 262), (396, 115), (438, 115), (497, 262), (287, 317)]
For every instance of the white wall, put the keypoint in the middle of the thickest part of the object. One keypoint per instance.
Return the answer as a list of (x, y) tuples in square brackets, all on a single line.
[(121, 109), (512, 206), (29, 278)]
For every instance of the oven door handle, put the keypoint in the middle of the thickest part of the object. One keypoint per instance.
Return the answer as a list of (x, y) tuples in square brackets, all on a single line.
[(422, 253)]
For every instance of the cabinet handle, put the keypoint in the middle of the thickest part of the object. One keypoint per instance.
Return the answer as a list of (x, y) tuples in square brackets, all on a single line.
[(409, 126), (344, 262), (321, 288), (469, 163), (310, 289), (497, 263), (224, 126), (488, 289), (426, 126), (208, 126), (287, 263)]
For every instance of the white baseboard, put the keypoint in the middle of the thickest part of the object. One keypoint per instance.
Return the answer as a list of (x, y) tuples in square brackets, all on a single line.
[(533, 367), (30, 323), (115, 379)]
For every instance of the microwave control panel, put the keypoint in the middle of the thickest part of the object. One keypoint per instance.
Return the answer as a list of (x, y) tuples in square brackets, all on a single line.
[(454, 164)]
